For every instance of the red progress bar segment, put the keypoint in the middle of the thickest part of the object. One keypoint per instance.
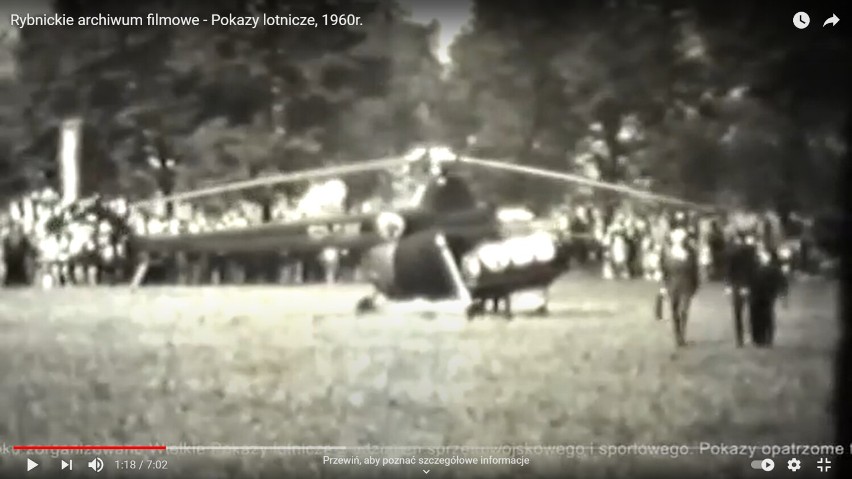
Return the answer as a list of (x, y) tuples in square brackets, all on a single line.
[(89, 448)]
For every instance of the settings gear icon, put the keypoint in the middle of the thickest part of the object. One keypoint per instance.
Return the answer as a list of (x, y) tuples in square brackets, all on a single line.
[(794, 464)]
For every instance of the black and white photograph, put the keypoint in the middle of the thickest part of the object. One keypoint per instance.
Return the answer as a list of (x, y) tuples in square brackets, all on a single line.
[(423, 239)]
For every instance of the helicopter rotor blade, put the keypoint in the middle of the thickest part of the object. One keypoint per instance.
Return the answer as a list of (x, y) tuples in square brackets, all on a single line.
[(292, 177), (577, 179)]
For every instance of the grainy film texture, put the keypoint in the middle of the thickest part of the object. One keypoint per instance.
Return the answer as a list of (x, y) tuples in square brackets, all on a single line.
[(431, 239)]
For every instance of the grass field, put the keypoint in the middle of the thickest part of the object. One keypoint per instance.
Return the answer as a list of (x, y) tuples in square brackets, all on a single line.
[(287, 366)]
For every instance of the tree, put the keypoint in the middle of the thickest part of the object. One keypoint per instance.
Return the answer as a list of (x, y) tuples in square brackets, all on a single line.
[(112, 77), (298, 95), (544, 83), (794, 121), (668, 94), (322, 95)]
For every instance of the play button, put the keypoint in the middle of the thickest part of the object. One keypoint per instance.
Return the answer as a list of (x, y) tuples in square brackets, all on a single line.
[(31, 464)]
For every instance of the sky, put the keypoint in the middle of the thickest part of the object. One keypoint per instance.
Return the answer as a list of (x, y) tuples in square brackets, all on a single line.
[(451, 15)]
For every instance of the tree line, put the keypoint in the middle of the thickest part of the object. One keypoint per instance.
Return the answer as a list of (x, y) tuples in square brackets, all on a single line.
[(718, 102)]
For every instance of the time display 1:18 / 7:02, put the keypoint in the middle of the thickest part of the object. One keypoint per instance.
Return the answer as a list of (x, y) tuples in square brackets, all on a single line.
[(142, 464)]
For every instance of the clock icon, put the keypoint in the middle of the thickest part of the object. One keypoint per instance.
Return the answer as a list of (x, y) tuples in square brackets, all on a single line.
[(801, 20)]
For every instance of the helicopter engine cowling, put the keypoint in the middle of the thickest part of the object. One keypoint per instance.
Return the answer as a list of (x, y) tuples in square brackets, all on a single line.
[(494, 256), (511, 253)]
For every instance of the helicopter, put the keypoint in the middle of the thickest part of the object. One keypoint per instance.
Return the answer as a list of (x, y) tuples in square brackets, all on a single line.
[(443, 250)]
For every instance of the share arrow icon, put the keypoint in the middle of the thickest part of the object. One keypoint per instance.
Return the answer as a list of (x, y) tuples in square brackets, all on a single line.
[(832, 20)]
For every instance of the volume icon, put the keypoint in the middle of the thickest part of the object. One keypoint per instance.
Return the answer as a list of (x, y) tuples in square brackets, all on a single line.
[(96, 464)]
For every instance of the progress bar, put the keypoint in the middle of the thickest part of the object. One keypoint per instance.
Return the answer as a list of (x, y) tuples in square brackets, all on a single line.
[(87, 448), (174, 448), (259, 448)]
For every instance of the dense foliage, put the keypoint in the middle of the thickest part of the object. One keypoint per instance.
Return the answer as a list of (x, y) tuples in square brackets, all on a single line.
[(708, 103)]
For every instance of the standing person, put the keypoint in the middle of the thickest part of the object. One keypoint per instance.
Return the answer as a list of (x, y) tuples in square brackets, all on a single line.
[(754, 277), (716, 242), (770, 282), (767, 285), (740, 266), (659, 232), (581, 231), (599, 228), (616, 253), (18, 253), (679, 263)]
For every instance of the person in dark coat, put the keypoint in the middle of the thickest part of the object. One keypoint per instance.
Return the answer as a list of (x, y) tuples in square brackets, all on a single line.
[(18, 255), (755, 280), (767, 285), (740, 263)]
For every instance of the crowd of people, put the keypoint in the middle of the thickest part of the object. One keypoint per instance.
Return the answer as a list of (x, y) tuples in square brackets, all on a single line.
[(54, 243), (86, 241), (626, 243)]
